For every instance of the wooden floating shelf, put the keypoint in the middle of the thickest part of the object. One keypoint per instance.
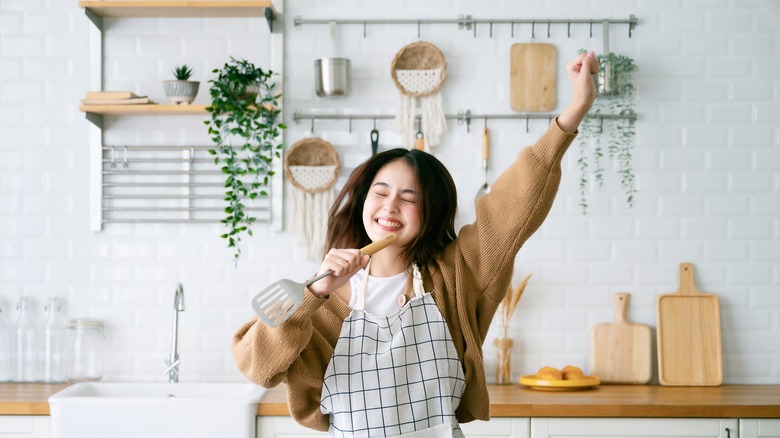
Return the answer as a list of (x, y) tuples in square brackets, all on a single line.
[(151, 109), (147, 109), (180, 8)]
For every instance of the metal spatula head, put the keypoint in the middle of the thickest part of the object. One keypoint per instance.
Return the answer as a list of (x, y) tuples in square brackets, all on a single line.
[(276, 303)]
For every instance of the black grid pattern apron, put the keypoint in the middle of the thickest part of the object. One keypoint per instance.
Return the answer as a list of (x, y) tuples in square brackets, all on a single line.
[(394, 376)]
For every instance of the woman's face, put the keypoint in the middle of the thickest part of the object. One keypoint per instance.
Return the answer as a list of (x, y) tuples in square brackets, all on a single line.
[(391, 204)]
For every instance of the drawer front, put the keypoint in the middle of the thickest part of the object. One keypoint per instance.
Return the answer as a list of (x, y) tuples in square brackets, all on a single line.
[(16, 424), (633, 427)]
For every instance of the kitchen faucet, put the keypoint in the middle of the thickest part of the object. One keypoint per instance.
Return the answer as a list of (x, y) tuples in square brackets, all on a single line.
[(173, 362)]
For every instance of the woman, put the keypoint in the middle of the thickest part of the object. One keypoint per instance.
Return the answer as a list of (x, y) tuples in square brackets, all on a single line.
[(391, 345)]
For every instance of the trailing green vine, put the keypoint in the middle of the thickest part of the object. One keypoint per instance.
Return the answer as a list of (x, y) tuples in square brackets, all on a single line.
[(612, 116), (245, 127)]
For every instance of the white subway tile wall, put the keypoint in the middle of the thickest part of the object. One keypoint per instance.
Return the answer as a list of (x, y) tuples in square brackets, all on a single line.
[(707, 159)]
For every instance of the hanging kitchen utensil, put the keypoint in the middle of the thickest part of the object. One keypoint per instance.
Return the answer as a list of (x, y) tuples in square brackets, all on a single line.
[(419, 141), (276, 303), (419, 138), (485, 155), (419, 70), (621, 351), (332, 76), (532, 77), (374, 140), (312, 167), (689, 346)]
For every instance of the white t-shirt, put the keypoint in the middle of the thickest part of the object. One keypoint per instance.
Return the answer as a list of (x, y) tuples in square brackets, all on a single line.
[(381, 292)]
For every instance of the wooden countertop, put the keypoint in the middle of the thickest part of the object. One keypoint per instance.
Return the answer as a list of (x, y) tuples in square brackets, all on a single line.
[(727, 401), (27, 398)]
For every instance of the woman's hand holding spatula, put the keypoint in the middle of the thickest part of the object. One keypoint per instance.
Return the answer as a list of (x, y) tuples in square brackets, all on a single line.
[(344, 263), (276, 303)]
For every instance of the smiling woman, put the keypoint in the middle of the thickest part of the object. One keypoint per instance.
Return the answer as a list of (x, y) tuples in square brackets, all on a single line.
[(397, 351)]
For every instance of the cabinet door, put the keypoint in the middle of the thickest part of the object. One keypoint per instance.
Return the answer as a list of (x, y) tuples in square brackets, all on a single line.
[(32, 426), (633, 427), (284, 427), (498, 427), (759, 428)]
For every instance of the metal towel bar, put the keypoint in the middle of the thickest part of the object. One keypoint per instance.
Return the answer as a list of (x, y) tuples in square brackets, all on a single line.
[(166, 184)]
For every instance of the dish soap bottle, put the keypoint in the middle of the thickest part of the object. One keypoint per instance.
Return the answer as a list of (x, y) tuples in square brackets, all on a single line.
[(26, 342), (54, 343)]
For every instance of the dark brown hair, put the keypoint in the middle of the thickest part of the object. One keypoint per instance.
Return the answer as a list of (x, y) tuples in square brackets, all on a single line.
[(437, 202)]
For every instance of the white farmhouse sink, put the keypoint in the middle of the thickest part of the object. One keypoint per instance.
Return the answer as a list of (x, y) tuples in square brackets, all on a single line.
[(151, 410)]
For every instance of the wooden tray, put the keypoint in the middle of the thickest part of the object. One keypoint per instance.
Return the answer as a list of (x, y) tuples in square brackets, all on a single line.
[(689, 340)]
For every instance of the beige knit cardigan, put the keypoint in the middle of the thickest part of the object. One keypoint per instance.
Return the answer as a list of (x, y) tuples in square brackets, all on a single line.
[(468, 278)]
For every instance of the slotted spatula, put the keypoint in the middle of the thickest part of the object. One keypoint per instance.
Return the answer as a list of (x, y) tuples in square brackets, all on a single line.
[(276, 303)]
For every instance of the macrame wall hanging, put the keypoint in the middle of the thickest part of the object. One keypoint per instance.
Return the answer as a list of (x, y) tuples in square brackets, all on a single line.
[(312, 167), (419, 70)]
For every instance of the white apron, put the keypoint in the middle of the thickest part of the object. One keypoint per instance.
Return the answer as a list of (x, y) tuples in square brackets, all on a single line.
[(394, 376)]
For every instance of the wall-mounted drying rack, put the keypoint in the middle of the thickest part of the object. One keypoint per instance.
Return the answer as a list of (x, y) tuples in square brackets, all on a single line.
[(467, 22), (166, 184), (463, 117)]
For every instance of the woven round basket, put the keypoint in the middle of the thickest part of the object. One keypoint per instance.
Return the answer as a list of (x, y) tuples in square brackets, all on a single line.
[(313, 154), (424, 57)]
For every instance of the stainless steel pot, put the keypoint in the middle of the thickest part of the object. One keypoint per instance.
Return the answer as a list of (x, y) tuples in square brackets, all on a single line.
[(332, 77)]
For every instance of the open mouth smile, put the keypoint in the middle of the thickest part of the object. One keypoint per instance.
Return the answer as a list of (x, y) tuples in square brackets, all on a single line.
[(389, 223)]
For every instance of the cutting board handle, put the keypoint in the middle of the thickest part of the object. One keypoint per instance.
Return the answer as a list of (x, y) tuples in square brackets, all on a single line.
[(687, 285), (620, 299)]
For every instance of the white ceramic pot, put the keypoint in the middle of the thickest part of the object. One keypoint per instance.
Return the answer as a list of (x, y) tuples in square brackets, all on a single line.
[(181, 92)]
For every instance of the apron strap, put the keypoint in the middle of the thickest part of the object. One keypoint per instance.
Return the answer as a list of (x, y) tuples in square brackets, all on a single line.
[(417, 281), (417, 284), (361, 294)]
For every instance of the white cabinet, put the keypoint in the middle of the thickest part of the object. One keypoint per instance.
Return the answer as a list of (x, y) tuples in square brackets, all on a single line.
[(759, 428), (286, 427), (498, 427), (633, 427), (27, 426)]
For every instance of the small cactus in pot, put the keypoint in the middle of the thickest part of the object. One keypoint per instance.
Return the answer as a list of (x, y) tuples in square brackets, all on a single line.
[(182, 90)]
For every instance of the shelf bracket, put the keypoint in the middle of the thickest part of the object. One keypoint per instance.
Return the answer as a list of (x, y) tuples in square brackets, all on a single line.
[(96, 119), (96, 19), (270, 17)]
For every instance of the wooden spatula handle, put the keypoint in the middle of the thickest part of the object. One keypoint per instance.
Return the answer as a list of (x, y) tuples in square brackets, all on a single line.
[(620, 299), (373, 247), (419, 144), (485, 144)]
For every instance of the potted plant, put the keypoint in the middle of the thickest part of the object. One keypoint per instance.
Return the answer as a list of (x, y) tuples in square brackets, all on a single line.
[(181, 90), (610, 124), (245, 127)]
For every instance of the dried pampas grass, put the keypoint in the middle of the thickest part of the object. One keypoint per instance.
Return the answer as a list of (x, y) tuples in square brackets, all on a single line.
[(504, 345), (509, 304)]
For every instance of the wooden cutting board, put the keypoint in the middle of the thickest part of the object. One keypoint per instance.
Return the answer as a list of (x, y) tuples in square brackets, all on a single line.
[(532, 77), (689, 344), (621, 351)]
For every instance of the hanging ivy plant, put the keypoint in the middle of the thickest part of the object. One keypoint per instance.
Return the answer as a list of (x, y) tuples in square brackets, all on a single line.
[(609, 125), (244, 125)]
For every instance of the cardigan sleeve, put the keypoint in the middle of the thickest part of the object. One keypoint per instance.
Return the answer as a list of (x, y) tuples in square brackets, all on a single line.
[(265, 354), (513, 210), (296, 352)]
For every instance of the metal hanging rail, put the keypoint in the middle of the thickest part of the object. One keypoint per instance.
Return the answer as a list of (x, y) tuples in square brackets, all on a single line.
[(463, 117), (166, 184), (468, 22)]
